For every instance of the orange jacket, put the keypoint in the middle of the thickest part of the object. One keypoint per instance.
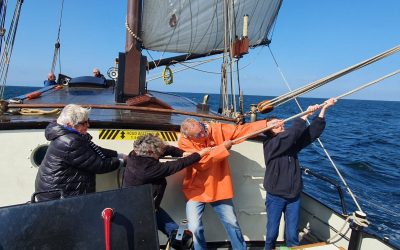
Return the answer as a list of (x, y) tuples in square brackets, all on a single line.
[(210, 179)]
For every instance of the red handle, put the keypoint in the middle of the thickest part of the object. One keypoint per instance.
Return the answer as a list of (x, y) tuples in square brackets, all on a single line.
[(107, 215)]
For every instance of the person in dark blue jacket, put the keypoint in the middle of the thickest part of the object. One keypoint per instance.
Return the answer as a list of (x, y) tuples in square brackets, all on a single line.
[(143, 167), (282, 179), (72, 160), (51, 80), (96, 73)]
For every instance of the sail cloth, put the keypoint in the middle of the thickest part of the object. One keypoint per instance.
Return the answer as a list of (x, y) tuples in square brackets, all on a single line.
[(197, 26)]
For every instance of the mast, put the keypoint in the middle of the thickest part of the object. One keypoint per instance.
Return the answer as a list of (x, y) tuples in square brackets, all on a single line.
[(132, 74)]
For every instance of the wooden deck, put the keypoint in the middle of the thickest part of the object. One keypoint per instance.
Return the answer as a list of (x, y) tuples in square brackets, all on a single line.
[(106, 118)]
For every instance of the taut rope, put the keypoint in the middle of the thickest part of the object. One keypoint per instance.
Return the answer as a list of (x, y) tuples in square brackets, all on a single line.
[(8, 47), (56, 54), (320, 106), (267, 105)]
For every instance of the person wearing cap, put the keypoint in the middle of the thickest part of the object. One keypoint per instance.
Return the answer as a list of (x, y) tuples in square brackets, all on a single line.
[(143, 167)]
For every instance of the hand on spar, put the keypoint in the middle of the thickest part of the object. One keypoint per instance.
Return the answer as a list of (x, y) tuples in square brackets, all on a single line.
[(276, 123), (330, 102), (311, 109)]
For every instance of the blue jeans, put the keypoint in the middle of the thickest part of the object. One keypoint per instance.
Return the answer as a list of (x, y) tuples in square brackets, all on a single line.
[(226, 214), (291, 208), (165, 223)]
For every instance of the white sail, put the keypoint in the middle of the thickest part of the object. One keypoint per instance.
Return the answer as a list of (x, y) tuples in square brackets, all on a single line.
[(197, 26)]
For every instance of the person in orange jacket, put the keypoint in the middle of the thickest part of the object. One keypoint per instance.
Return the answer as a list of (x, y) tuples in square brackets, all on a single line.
[(209, 180)]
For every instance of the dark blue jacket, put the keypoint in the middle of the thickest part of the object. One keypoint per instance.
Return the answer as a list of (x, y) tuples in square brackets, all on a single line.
[(49, 83), (282, 173), (71, 163)]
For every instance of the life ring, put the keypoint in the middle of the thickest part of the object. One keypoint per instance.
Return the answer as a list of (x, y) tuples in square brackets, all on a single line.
[(167, 76)]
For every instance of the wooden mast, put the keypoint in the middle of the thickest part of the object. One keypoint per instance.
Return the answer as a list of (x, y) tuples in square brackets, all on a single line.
[(132, 64)]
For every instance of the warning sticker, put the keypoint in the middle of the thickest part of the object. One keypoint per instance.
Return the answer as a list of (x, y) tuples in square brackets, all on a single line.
[(119, 134)]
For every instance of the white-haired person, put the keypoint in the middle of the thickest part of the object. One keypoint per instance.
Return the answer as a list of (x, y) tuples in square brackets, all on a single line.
[(72, 160), (96, 73), (143, 167), (209, 180), (51, 80)]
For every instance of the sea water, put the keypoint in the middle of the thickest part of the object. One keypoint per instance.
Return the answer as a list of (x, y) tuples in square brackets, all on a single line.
[(362, 138)]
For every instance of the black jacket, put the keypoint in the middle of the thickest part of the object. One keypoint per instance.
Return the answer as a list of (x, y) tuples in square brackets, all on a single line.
[(147, 170), (72, 162), (282, 173)]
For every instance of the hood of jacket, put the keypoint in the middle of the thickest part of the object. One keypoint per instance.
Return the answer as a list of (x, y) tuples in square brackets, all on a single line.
[(55, 130)]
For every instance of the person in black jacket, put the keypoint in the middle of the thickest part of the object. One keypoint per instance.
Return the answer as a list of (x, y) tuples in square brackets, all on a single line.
[(72, 160), (282, 179), (143, 167)]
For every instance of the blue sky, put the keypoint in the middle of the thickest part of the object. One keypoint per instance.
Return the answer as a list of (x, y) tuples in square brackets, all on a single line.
[(311, 40)]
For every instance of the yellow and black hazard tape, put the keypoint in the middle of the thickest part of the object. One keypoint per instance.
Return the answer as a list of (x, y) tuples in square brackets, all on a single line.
[(121, 134)]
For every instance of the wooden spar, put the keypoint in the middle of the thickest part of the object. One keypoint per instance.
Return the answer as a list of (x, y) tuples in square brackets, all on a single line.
[(267, 105), (187, 57), (320, 106), (121, 107), (237, 140), (176, 59)]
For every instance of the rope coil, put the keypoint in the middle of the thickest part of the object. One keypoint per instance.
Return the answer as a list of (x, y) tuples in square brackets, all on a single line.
[(357, 220), (29, 111), (167, 75)]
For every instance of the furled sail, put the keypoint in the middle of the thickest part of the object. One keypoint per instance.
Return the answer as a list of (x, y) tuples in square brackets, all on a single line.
[(197, 26)]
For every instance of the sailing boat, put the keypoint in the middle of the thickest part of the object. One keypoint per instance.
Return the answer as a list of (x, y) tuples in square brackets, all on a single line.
[(197, 29)]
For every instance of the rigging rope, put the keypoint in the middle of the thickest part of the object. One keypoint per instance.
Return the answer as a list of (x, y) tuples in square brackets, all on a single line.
[(318, 139), (190, 67), (320, 106), (3, 12), (8, 47), (269, 104), (57, 44)]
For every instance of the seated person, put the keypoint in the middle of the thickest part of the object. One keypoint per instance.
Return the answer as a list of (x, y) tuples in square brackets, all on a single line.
[(143, 167), (51, 80), (96, 73)]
